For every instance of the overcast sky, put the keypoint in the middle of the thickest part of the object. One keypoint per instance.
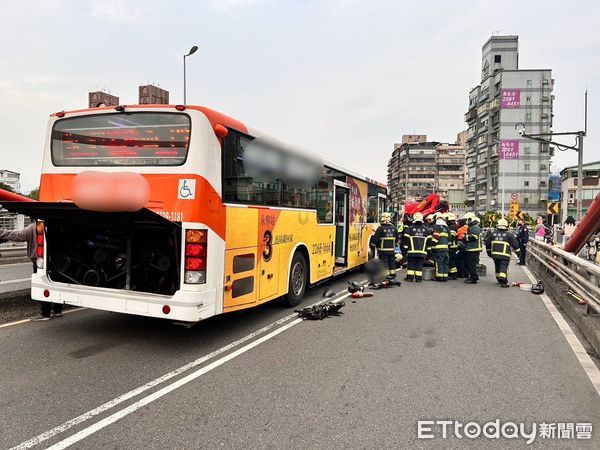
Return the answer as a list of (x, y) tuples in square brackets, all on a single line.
[(346, 78)]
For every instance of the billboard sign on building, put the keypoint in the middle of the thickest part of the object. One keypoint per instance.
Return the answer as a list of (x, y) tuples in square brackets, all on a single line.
[(509, 149), (510, 98)]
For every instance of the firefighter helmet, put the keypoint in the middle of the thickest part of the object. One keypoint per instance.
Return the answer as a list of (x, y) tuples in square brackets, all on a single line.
[(386, 217), (502, 224), (450, 217), (398, 257), (430, 218), (537, 288), (418, 217)]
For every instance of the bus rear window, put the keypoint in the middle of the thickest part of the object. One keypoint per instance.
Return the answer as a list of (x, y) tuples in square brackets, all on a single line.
[(121, 139)]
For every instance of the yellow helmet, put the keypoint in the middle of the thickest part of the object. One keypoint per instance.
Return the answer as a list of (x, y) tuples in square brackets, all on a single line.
[(450, 216), (469, 217), (502, 224), (398, 257), (430, 218), (418, 217), (386, 217)]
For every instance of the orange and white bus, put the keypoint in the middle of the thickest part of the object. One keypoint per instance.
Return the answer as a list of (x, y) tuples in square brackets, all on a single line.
[(211, 236)]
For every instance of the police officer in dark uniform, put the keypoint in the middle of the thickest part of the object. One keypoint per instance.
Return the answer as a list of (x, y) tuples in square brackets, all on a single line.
[(473, 247), (384, 240), (498, 245), (415, 242), (439, 248)]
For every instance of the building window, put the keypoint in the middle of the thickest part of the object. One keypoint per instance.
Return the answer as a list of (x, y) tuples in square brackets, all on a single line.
[(527, 167), (527, 150), (543, 167), (528, 116), (526, 183), (497, 58), (528, 82), (528, 98), (525, 200)]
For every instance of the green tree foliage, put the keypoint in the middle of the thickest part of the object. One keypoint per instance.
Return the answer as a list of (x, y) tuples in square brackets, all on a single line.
[(34, 194), (6, 187)]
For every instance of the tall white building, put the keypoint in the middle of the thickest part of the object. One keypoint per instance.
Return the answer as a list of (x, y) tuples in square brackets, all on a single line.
[(501, 164)]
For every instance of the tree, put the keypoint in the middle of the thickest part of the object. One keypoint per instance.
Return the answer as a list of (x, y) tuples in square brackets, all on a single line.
[(6, 187), (34, 194)]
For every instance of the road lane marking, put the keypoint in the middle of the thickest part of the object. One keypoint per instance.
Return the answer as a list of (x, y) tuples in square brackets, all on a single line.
[(584, 359), (18, 322), (14, 264), (166, 390), (20, 280), (137, 391)]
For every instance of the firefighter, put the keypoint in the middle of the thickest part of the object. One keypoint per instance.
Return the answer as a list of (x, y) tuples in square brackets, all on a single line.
[(473, 247), (385, 240), (498, 245), (461, 234), (452, 246), (439, 248), (415, 241)]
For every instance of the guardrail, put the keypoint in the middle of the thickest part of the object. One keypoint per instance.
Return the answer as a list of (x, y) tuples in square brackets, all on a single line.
[(580, 275), (13, 252)]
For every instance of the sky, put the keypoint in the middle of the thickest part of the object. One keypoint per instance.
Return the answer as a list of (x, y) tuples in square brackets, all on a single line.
[(345, 78)]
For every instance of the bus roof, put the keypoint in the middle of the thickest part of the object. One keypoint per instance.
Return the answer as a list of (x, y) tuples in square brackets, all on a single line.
[(216, 117)]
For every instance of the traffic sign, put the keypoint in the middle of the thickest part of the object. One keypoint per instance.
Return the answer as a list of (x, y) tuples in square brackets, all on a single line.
[(514, 196), (553, 208), (513, 209)]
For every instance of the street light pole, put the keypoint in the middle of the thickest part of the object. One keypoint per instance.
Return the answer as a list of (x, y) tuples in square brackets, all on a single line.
[(191, 52), (578, 147)]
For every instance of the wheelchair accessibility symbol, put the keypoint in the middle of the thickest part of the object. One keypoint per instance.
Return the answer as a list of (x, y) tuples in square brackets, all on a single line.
[(187, 189)]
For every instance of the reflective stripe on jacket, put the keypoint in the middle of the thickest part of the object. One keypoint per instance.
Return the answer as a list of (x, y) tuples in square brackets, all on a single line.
[(441, 237), (473, 238), (499, 244), (416, 240), (385, 238)]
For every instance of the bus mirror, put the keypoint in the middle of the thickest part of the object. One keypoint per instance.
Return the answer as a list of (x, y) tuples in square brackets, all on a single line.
[(220, 130)]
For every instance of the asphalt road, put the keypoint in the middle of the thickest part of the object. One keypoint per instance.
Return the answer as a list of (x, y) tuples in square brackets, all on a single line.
[(363, 380), (15, 276)]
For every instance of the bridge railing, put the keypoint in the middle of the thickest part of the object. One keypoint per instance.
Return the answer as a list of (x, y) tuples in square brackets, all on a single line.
[(580, 275)]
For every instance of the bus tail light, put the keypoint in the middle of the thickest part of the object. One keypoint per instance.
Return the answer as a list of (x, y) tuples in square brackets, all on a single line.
[(39, 237), (195, 256)]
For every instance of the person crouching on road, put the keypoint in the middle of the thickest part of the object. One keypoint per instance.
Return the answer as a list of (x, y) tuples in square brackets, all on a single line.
[(439, 248), (415, 242), (29, 235), (385, 240), (498, 245), (473, 247)]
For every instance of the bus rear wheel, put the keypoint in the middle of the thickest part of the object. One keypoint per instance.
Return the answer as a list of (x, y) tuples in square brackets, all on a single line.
[(298, 281)]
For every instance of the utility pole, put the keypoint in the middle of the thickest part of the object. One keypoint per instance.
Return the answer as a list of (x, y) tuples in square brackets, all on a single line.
[(580, 136)]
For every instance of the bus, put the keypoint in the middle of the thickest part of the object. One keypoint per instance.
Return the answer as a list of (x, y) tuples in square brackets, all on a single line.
[(154, 210)]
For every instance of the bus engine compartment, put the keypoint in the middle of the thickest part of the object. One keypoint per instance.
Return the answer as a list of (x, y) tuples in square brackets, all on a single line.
[(137, 259)]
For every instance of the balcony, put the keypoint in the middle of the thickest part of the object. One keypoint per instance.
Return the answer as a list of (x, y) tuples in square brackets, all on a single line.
[(471, 134), (471, 114), (494, 104), (483, 109)]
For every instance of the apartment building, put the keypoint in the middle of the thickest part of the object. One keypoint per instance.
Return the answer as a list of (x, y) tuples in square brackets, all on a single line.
[(590, 188), (499, 160)]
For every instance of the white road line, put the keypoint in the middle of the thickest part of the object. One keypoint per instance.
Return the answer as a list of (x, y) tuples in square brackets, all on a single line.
[(15, 264), (20, 280), (584, 359), (135, 392), (18, 322), (164, 391)]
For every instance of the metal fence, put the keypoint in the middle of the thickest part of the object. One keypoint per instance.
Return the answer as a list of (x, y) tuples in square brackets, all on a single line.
[(580, 275)]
